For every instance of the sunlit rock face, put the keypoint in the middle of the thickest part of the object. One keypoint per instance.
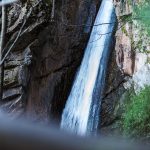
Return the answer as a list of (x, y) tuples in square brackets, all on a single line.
[(141, 59), (132, 45), (129, 67), (140, 77)]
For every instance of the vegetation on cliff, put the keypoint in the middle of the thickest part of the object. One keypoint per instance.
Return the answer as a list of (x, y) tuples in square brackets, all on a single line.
[(136, 119), (142, 12)]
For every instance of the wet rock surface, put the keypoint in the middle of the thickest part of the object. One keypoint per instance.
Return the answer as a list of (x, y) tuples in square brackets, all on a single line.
[(41, 67)]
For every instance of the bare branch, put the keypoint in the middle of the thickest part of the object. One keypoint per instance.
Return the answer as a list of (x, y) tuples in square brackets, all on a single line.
[(7, 2), (13, 43), (2, 42), (53, 11), (19, 33), (101, 34), (86, 25)]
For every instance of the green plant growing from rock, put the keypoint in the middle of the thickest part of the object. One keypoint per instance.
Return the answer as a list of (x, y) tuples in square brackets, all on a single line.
[(142, 13), (124, 30), (136, 118), (141, 21), (148, 60)]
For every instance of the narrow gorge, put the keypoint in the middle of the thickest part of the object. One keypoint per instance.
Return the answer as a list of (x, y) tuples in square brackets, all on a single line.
[(83, 65)]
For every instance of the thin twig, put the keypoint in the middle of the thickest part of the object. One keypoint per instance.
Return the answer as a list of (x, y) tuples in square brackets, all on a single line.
[(2, 43), (7, 2), (101, 34), (86, 25), (13, 43), (19, 33), (53, 11)]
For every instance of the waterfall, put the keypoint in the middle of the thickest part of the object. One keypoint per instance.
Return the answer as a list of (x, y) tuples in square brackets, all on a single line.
[(81, 113)]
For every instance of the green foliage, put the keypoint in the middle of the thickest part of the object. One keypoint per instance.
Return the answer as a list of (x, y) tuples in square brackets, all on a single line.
[(136, 119), (130, 2), (148, 60), (142, 13), (126, 18), (124, 30)]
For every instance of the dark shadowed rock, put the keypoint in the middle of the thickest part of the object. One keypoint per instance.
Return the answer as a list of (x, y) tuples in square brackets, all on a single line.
[(41, 67)]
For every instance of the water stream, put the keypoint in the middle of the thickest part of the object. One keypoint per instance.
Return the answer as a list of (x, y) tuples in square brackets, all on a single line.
[(81, 112)]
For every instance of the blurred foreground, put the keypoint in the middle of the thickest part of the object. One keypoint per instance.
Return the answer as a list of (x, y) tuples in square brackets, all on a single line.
[(22, 135)]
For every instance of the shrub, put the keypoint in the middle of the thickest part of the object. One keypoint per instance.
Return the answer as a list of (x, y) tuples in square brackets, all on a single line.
[(142, 13), (136, 119)]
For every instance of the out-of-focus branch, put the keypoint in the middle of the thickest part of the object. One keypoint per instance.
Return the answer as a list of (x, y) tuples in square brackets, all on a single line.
[(53, 11), (2, 43), (5, 2), (19, 33), (3, 29)]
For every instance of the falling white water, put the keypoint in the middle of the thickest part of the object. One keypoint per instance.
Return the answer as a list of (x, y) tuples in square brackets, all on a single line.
[(76, 113)]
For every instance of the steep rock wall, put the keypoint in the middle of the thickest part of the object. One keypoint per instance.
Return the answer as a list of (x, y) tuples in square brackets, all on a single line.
[(128, 66), (41, 67)]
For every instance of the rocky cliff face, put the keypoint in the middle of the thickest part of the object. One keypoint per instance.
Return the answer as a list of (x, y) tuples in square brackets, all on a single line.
[(40, 69), (129, 65)]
